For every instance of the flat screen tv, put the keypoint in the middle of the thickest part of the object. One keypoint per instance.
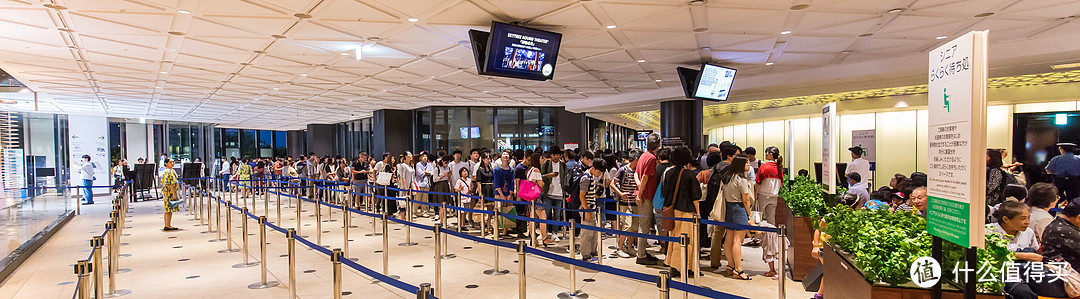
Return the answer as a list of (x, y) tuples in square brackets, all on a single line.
[(642, 135), (688, 78), (520, 52), (714, 82), (479, 39)]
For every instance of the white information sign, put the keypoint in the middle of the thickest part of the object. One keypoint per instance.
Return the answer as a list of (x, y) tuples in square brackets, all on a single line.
[(828, 147), (866, 140), (957, 139)]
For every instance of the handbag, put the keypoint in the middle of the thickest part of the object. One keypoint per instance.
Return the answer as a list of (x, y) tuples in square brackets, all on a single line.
[(669, 211), (529, 191), (383, 178), (1071, 278), (175, 204)]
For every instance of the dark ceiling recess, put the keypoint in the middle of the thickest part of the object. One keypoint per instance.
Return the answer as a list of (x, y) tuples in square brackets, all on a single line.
[(6, 80)]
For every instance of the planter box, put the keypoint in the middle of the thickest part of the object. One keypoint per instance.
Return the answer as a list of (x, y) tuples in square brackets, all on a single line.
[(801, 235), (843, 280)]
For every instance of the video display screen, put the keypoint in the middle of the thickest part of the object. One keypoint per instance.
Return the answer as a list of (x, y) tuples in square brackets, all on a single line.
[(520, 52), (465, 131), (714, 82), (642, 135)]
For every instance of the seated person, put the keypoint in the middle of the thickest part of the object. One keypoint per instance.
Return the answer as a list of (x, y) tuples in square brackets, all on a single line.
[(1061, 238), (1012, 224), (862, 196), (899, 202), (877, 201)]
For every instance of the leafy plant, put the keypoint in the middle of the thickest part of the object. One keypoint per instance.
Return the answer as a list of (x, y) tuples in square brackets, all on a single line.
[(804, 197), (884, 244)]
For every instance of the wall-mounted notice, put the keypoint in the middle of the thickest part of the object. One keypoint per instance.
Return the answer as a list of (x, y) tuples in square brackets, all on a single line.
[(828, 146), (957, 138), (866, 140)]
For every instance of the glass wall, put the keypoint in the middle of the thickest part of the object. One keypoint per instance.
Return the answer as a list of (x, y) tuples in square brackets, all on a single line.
[(241, 143), (187, 140), (608, 136), (356, 137), (515, 128), (35, 154)]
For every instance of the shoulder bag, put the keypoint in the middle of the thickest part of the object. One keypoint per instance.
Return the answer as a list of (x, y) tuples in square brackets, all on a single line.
[(528, 190), (669, 211)]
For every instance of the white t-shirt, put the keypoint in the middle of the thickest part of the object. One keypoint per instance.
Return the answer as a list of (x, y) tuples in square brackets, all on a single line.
[(555, 190), (1023, 240), (86, 171), (862, 167)]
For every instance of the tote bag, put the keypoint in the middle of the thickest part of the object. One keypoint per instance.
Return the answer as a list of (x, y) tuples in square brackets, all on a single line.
[(669, 211), (529, 190), (383, 178)]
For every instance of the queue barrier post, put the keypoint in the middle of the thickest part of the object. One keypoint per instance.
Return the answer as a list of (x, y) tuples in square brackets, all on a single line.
[(228, 232), (573, 292), (495, 236), (695, 247), (217, 219), (262, 284), (335, 258), (438, 260), (82, 270), (424, 292), (684, 263), (599, 235), (244, 238), (781, 230), (409, 217), (96, 243), (318, 220), (299, 208), (291, 236), (266, 197), (278, 203), (457, 213), (385, 248), (330, 199), (345, 219), (662, 284), (442, 220), (521, 269), (532, 227)]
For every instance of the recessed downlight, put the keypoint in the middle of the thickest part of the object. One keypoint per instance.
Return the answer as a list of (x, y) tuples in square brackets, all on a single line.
[(184, 11), (302, 16), (786, 32), (641, 60), (177, 33), (894, 10), (768, 63), (866, 35), (278, 36), (611, 26), (800, 6), (983, 15), (414, 20), (942, 37)]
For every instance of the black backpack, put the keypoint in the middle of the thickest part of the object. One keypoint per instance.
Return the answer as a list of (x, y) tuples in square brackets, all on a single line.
[(572, 187)]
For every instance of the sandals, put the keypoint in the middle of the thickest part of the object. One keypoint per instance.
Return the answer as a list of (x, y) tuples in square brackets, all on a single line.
[(548, 241), (739, 274)]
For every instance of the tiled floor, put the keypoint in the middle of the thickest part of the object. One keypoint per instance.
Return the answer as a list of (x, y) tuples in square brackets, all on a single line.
[(183, 264)]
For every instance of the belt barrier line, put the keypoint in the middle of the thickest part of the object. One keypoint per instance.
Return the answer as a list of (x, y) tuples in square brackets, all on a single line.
[(545, 254)]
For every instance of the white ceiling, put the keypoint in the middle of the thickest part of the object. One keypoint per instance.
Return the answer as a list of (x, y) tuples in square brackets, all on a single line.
[(279, 64)]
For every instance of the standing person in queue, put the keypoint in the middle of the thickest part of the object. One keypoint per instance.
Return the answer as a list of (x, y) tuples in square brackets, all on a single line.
[(736, 194), (359, 172), (859, 165), (589, 185), (627, 189), (406, 175), (424, 171), (504, 186), (769, 179), (534, 175), (1066, 171), (555, 177), (645, 172), (86, 173), (485, 178), (243, 176), (169, 186), (441, 184), (681, 193)]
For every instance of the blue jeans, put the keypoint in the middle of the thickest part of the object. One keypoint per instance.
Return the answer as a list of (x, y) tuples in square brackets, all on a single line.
[(552, 213), (88, 194)]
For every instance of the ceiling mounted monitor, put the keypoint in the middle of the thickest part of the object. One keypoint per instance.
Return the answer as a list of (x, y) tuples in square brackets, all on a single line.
[(688, 78), (517, 52), (714, 82)]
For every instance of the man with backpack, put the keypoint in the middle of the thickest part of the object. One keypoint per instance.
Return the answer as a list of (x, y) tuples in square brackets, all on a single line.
[(572, 186)]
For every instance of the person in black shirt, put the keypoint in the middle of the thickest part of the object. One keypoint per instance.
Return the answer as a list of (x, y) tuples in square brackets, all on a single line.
[(681, 191)]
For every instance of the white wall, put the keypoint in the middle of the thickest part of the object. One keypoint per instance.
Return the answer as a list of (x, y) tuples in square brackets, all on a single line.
[(89, 135), (138, 144)]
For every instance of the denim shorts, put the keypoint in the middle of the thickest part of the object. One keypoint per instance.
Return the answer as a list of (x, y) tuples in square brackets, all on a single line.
[(736, 213)]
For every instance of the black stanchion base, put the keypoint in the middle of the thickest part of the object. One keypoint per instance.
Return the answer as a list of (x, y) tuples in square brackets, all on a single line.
[(228, 250), (449, 256), (121, 271), (493, 272), (118, 293), (408, 244), (217, 240), (569, 295), (259, 285), (373, 235), (208, 232), (248, 265), (391, 276)]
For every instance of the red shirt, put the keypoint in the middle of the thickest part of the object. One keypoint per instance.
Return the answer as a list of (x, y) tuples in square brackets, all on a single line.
[(647, 166), (768, 171)]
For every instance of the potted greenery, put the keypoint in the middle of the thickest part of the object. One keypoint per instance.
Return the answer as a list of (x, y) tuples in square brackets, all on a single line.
[(799, 206), (879, 246)]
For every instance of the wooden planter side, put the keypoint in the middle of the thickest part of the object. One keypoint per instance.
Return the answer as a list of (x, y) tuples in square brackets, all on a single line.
[(801, 234)]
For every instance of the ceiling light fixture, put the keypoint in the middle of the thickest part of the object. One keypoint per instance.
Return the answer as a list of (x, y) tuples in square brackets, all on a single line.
[(359, 52), (866, 35), (414, 20), (611, 26), (942, 37), (1065, 66), (894, 10), (658, 80), (303, 75), (800, 6), (184, 11), (345, 54), (785, 32), (164, 72), (641, 60), (768, 63), (983, 15)]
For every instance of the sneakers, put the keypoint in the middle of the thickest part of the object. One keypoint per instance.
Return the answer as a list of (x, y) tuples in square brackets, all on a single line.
[(647, 260)]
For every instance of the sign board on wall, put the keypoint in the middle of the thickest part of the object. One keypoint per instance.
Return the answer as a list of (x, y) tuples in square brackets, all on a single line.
[(89, 135), (866, 139), (15, 165), (570, 146), (956, 200), (828, 146)]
